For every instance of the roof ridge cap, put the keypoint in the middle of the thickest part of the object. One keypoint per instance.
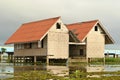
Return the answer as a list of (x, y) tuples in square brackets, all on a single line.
[(82, 22), (42, 20), (89, 21)]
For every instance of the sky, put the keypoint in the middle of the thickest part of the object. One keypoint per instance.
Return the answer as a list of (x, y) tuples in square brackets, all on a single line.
[(13, 13)]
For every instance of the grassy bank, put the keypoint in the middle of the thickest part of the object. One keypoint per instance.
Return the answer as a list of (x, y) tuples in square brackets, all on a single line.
[(112, 60), (107, 61), (77, 75)]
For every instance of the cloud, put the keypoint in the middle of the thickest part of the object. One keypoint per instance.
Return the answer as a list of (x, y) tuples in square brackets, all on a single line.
[(13, 13)]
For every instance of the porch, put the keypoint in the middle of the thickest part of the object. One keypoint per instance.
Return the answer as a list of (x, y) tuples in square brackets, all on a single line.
[(31, 52), (30, 55), (77, 52)]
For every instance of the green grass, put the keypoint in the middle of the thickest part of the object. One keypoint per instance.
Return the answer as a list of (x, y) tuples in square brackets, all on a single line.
[(107, 61), (76, 75), (112, 59)]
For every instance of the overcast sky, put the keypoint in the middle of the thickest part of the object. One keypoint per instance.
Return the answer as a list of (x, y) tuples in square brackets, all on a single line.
[(13, 13)]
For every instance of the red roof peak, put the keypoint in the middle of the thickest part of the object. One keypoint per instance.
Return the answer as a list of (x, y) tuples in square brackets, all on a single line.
[(32, 31), (81, 29), (90, 21), (78, 23), (43, 20)]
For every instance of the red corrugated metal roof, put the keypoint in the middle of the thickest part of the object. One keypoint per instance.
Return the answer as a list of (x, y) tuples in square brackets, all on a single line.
[(32, 31), (81, 29)]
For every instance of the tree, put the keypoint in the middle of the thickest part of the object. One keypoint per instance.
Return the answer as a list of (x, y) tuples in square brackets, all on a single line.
[(3, 50)]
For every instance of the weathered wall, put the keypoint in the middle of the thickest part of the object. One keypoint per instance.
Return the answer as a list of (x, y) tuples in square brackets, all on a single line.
[(74, 50), (58, 42), (95, 44)]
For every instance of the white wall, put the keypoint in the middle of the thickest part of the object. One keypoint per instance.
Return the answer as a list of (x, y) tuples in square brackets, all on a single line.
[(58, 41), (95, 44)]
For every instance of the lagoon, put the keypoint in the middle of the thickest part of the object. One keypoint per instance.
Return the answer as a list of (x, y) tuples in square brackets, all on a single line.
[(7, 70)]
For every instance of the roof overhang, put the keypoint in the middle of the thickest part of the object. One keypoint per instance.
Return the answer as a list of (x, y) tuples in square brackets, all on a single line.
[(108, 38)]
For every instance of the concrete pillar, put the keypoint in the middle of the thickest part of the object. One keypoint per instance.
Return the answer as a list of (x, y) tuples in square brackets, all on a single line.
[(114, 56), (14, 59), (67, 62), (23, 59), (0, 56), (35, 59), (47, 60), (107, 55), (104, 61), (88, 60), (9, 57)]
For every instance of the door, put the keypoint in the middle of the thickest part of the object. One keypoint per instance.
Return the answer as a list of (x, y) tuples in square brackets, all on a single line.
[(81, 52)]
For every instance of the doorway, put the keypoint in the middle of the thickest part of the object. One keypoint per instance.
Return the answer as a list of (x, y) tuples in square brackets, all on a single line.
[(81, 52)]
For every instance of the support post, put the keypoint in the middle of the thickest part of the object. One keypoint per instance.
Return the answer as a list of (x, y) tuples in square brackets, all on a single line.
[(14, 59), (47, 60), (87, 60), (35, 60), (11, 57), (104, 60), (8, 57), (0, 57), (116, 55), (67, 62)]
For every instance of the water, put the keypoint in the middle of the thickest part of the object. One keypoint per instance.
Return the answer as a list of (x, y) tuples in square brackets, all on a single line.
[(7, 70)]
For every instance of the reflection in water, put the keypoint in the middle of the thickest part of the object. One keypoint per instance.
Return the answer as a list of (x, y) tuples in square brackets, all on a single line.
[(58, 70), (55, 70), (112, 68), (94, 68), (7, 70)]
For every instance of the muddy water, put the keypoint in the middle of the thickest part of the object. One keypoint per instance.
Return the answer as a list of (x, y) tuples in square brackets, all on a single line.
[(7, 70)]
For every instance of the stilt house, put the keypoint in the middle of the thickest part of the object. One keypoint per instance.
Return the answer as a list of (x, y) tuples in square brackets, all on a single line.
[(51, 39)]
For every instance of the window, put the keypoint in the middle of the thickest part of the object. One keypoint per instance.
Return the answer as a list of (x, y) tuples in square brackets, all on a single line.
[(96, 28), (18, 46), (58, 26), (28, 45), (40, 44)]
